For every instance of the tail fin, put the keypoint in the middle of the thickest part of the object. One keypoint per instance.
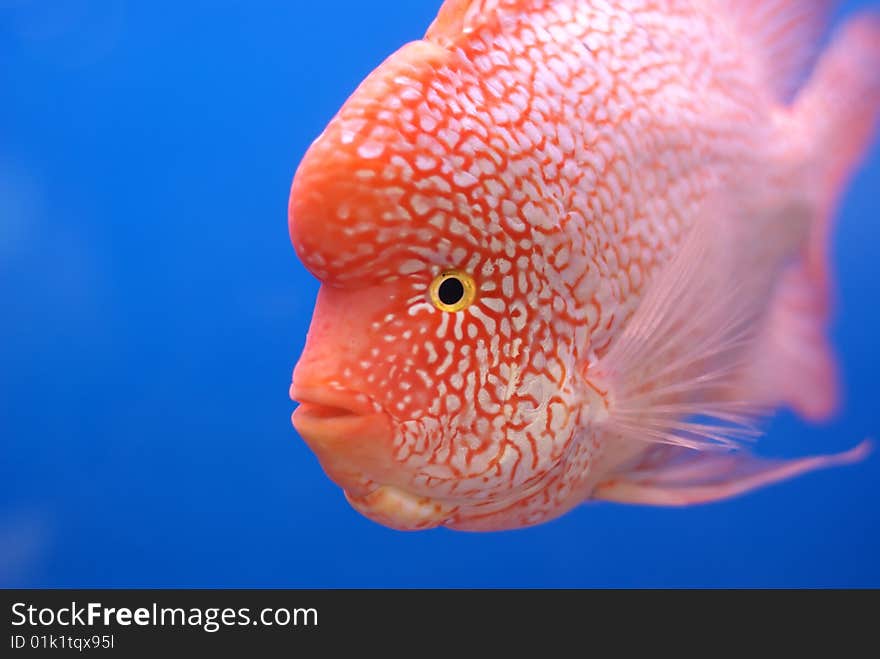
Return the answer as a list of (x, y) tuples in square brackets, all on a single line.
[(840, 108), (836, 115)]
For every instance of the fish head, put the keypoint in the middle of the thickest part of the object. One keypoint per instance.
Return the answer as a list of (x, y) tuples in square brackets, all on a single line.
[(437, 384)]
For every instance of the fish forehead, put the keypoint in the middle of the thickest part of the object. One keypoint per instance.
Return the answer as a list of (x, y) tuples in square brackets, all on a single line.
[(498, 132), (436, 151), (411, 174)]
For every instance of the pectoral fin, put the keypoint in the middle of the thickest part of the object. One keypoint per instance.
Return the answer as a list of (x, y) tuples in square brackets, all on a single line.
[(676, 476)]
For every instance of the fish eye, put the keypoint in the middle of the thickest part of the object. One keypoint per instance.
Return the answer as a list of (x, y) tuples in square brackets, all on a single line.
[(453, 291)]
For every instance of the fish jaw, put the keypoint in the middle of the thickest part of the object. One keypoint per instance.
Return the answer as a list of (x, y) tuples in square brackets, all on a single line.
[(352, 445), (401, 510), (350, 439)]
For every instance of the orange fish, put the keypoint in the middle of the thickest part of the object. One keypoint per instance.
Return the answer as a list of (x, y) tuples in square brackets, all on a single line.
[(574, 250)]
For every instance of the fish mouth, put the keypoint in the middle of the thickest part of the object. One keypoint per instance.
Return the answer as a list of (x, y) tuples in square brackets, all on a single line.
[(319, 411), (352, 441), (350, 438), (311, 416), (320, 402), (330, 420)]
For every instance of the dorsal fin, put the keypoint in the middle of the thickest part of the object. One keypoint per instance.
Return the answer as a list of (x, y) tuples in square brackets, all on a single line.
[(785, 34)]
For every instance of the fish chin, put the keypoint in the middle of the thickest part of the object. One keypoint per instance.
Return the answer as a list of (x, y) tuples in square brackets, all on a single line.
[(398, 509)]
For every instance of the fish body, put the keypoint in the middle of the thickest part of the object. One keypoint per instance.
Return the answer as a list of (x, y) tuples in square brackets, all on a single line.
[(573, 250)]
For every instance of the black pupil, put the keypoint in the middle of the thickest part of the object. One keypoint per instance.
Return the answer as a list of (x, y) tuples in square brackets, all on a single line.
[(451, 291)]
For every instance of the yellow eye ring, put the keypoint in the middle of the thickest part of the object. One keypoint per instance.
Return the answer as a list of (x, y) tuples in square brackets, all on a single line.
[(453, 291)]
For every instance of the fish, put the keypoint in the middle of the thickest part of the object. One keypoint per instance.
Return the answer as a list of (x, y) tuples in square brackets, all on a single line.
[(578, 250)]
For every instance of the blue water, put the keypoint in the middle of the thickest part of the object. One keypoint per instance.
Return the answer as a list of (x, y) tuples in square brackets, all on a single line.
[(152, 308)]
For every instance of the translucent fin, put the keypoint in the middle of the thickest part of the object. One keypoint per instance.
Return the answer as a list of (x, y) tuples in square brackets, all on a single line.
[(673, 476), (785, 34), (672, 375), (839, 109), (794, 364)]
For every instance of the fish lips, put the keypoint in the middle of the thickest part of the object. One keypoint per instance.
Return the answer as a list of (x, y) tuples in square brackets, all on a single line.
[(353, 443), (354, 451), (349, 446)]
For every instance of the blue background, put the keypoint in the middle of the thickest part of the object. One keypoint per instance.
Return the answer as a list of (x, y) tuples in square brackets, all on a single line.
[(152, 308)]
